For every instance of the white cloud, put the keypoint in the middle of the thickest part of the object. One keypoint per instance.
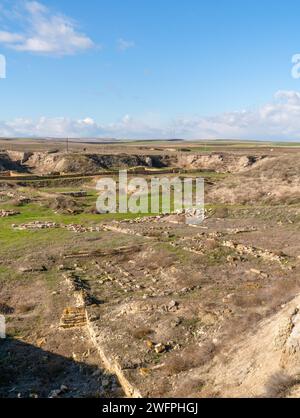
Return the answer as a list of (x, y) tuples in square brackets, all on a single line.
[(10, 38), (123, 45), (62, 127), (46, 33), (277, 120)]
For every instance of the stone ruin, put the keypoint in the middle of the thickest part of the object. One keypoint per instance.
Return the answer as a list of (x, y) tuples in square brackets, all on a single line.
[(36, 225), (7, 213), (51, 225)]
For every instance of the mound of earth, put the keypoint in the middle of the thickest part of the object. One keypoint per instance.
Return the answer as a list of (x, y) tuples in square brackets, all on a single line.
[(285, 167), (271, 181), (87, 163), (265, 363), (65, 204), (218, 162)]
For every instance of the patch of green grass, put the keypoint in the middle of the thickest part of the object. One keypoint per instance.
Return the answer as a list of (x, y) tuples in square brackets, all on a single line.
[(218, 255), (52, 278), (6, 274), (182, 255)]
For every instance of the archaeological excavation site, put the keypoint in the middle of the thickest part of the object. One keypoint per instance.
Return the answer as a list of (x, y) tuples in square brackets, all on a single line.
[(103, 304)]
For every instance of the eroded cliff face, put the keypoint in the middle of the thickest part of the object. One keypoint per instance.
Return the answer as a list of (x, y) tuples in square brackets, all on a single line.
[(45, 162), (7, 163), (268, 181)]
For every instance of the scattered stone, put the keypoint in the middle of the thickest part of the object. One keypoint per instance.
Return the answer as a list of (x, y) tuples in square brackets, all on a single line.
[(49, 225), (32, 269), (40, 342), (7, 213), (160, 348), (62, 267), (236, 231), (208, 318), (173, 306), (55, 393), (81, 229), (150, 344), (144, 371), (256, 252), (255, 271), (36, 225), (80, 193), (176, 322)]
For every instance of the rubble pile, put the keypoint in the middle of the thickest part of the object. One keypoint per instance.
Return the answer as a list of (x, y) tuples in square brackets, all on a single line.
[(49, 225), (7, 213), (80, 193), (23, 200), (192, 245), (256, 252), (36, 225), (80, 228)]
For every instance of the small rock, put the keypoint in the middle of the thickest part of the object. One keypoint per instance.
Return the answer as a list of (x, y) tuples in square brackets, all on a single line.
[(105, 383), (160, 348), (54, 393), (144, 371), (40, 342), (173, 306), (208, 318), (97, 373), (150, 344), (255, 271)]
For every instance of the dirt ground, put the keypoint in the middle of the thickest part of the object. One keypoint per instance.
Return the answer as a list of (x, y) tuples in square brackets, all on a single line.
[(164, 309)]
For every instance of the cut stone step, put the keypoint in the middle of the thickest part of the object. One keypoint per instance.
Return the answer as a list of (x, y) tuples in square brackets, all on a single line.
[(73, 318)]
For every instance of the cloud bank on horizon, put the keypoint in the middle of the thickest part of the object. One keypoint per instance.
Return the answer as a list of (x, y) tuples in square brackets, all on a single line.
[(277, 120)]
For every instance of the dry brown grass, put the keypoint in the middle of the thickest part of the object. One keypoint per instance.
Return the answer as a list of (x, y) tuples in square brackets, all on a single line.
[(236, 326), (159, 259), (279, 384), (191, 357), (183, 279), (26, 308), (142, 333), (189, 388), (271, 296)]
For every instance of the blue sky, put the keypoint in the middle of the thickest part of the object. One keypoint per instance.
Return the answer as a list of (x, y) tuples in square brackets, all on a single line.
[(150, 68)]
